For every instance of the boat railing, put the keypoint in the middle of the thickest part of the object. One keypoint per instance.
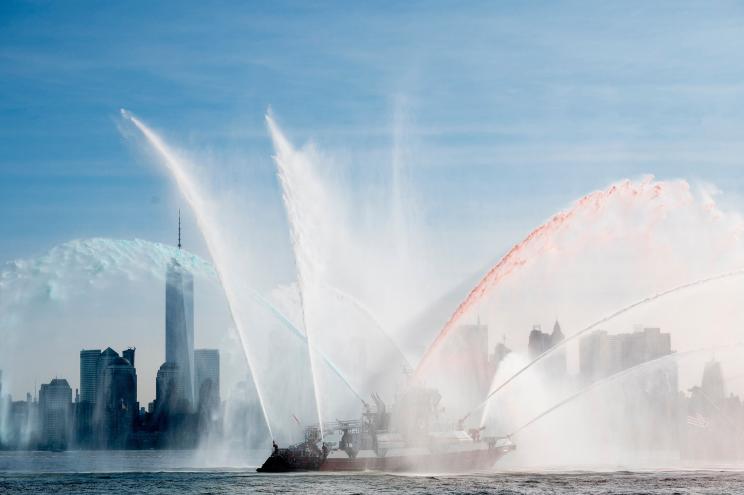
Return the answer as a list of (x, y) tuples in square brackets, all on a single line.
[(353, 425)]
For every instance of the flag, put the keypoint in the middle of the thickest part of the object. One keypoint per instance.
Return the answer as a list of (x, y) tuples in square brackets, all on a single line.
[(698, 421)]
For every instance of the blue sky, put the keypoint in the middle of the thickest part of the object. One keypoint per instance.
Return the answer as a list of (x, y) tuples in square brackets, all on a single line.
[(513, 109)]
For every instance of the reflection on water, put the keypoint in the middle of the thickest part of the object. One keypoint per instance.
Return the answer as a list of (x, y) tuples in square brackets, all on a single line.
[(112, 461), (191, 472)]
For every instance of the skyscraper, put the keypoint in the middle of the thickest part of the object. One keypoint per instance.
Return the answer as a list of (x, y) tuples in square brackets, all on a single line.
[(86, 406), (207, 374), (713, 386), (104, 360), (108, 398), (55, 405), (468, 354), (128, 354), (179, 322), (540, 342), (601, 354), (168, 389), (89, 374), (119, 396)]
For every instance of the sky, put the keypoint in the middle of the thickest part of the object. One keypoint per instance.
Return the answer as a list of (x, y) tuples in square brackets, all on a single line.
[(515, 108), (509, 110)]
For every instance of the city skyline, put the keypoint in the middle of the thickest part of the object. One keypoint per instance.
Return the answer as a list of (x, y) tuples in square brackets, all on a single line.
[(493, 336), (68, 420), (177, 336), (105, 411)]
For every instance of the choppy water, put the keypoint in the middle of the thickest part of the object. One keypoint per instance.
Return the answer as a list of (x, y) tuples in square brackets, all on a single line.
[(156, 473)]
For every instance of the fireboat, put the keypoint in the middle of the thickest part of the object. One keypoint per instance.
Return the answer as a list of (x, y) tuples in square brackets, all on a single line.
[(408, 439)]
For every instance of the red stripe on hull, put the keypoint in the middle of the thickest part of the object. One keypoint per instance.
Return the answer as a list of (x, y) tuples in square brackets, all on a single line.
[(473, 460)]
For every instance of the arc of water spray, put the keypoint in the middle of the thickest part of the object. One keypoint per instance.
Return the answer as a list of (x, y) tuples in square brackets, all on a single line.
[(368, 312), (297, 333), (617, 376), (283, 148), (511, 260), (625, 309), (193, 197)]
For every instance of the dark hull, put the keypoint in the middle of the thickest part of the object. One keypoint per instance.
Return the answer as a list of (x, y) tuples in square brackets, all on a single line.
[(450, 462)]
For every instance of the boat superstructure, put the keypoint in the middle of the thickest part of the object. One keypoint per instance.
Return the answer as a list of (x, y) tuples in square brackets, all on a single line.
[(409, 438)]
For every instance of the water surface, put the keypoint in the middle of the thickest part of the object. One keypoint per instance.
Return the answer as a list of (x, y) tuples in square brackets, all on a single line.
[(158, 472)]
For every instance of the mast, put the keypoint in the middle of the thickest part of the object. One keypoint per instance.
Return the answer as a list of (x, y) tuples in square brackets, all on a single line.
[(179, 228)]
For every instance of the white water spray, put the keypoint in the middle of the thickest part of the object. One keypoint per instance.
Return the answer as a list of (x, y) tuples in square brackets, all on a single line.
[(285, 153), (212, 237), (621, 374), (605, 319)]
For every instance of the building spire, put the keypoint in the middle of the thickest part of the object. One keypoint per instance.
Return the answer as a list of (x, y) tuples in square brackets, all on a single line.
[(179, 228)]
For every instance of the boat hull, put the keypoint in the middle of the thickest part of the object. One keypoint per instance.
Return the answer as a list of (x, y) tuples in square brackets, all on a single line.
[(446, 462), (463, 461)]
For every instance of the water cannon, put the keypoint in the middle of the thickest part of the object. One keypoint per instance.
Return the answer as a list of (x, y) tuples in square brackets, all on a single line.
[(474, 433), (461, 422)]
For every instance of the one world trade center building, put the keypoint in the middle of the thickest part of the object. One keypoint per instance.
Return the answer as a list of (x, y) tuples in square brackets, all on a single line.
[(179, 324)]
